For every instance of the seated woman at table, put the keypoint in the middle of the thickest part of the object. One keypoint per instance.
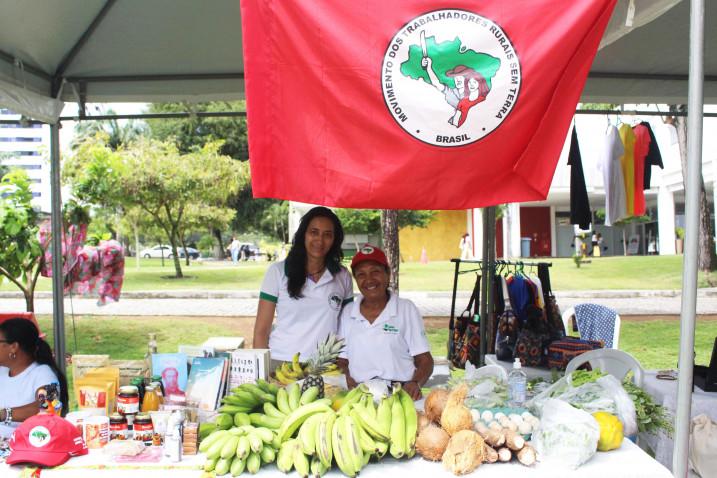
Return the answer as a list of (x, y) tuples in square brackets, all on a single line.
[(26, 366), (384, 334)]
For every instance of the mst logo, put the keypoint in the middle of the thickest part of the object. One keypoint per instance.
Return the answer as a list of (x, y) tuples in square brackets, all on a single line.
[(39, 436), (335, 301), (450, 77)]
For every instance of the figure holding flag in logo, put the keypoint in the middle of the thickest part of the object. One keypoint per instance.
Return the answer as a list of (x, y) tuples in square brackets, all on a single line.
[(453, 95)]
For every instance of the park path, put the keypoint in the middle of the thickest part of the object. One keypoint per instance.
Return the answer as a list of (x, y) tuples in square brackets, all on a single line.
[(431, 304)]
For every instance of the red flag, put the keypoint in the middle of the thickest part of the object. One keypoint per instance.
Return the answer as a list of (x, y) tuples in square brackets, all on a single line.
[(413, 104)]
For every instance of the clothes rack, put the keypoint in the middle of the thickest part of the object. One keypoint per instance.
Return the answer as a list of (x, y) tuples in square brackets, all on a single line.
[(485, 304)]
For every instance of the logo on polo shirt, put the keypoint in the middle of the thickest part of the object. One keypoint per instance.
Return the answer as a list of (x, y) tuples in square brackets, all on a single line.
[(335, 301), (39, 437), (389, 329)]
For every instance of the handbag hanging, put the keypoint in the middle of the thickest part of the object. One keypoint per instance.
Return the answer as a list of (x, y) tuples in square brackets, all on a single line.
[(464, 333), (508, 329)]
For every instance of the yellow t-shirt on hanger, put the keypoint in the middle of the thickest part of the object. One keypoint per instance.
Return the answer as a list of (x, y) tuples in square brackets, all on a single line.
[(627, 160)]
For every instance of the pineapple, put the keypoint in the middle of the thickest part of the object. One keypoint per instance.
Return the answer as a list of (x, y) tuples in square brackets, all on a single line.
[(326, 355)]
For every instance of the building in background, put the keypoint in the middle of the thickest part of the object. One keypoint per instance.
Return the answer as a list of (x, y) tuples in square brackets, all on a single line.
[(26, 146)]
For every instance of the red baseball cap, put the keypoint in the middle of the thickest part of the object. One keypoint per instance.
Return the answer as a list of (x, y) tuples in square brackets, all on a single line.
[(369, 253), (45, 440)]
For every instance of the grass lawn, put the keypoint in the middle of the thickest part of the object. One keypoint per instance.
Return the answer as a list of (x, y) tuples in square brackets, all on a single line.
[(654, 343), (641, 272)]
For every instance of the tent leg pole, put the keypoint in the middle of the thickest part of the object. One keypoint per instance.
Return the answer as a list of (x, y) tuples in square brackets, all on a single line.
[(488, 274), (58, 313), (485, 281), (692, 207)]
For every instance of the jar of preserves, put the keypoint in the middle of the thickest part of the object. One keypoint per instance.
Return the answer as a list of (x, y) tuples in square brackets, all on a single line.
[(119, 430), (143, 429), (128, 400)]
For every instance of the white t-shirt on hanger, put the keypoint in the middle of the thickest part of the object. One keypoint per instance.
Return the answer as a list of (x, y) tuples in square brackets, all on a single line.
[(613, 180)]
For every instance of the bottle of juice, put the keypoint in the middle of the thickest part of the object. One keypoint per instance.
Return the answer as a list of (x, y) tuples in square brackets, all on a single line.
[(151, 400)]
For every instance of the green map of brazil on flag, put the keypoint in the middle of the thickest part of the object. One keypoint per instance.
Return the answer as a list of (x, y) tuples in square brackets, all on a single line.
[(413, 104)]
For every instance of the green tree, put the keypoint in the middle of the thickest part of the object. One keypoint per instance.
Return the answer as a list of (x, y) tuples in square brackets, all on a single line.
[(21, 252), (156, 178), (194, 132), (707, 258), (119, 132)]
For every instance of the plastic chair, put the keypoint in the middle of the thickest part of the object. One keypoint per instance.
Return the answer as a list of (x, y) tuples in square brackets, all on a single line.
[(615, 362), (595, 320)]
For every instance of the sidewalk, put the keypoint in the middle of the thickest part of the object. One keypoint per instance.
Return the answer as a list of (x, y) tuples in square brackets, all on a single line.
[(435, 304)]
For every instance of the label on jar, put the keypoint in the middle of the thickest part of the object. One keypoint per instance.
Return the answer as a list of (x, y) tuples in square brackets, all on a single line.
[(128, 404), (143, 432)]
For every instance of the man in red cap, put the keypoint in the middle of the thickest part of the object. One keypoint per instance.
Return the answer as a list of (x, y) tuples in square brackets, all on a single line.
[(385, 337), (45, 440)]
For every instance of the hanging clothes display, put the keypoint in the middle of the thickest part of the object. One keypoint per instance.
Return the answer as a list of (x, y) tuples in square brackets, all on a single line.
[(628, 166), (653, 158), (579, 204), (642, 147), (613, 179)]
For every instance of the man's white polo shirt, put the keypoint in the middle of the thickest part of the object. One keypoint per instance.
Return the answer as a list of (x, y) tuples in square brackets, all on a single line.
[(302, 323), (384, 349)]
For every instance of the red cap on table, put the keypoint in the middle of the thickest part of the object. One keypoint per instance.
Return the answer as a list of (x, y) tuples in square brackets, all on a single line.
[(45, 440)]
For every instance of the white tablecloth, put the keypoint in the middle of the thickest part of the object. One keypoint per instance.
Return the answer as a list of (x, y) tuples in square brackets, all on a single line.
[(627, 462), (665, 393)]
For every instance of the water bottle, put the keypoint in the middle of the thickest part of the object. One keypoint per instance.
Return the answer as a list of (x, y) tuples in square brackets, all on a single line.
[(517, 385)]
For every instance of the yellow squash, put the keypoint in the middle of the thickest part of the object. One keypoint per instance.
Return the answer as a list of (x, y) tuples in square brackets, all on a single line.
[(610, 431)]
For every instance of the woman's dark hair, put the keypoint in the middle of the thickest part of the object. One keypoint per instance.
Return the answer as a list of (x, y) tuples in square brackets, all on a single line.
[(25, 333), (296, 258)]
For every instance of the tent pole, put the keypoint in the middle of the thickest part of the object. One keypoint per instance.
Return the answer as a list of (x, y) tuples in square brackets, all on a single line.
[(485, 283), (58, 314), (692, 208)]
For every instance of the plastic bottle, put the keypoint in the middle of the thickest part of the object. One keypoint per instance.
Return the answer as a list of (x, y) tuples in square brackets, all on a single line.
[(517, 385), (173, 438)]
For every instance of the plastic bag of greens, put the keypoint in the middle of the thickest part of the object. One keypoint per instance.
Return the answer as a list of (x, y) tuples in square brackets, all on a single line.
[(592, 392), (487, 386), (566, 436)]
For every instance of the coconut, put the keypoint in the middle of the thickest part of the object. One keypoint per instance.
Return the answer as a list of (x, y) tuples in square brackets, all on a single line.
[(435, 403), (423, 421), (464, 452), (456, 416), (431, 442)]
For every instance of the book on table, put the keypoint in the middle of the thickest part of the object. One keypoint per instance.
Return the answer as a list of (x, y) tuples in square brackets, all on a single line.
[(205, 382)]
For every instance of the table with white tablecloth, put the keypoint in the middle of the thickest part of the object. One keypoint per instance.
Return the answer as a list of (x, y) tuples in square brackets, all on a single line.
[(628, 461), (664, 393)]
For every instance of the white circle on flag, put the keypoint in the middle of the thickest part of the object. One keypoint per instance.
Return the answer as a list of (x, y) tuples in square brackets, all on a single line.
[(450, 77)]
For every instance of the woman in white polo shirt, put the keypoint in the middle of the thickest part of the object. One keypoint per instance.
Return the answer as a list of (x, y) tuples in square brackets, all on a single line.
[(384, 334), (307, 290)]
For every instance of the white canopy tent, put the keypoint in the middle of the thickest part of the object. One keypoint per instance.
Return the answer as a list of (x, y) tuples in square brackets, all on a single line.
[(170, 50)]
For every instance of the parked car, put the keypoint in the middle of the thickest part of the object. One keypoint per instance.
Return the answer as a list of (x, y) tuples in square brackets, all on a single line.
[(166, 251), (190, 251), (156, 251)]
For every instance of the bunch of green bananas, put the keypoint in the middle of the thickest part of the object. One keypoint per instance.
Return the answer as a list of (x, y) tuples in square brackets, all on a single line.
[(237, 427), (239, 448), (314, 435), (290, 372), (249, 397)]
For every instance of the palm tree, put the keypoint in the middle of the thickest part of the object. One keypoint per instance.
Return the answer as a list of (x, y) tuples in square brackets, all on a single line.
[(119, 134)]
